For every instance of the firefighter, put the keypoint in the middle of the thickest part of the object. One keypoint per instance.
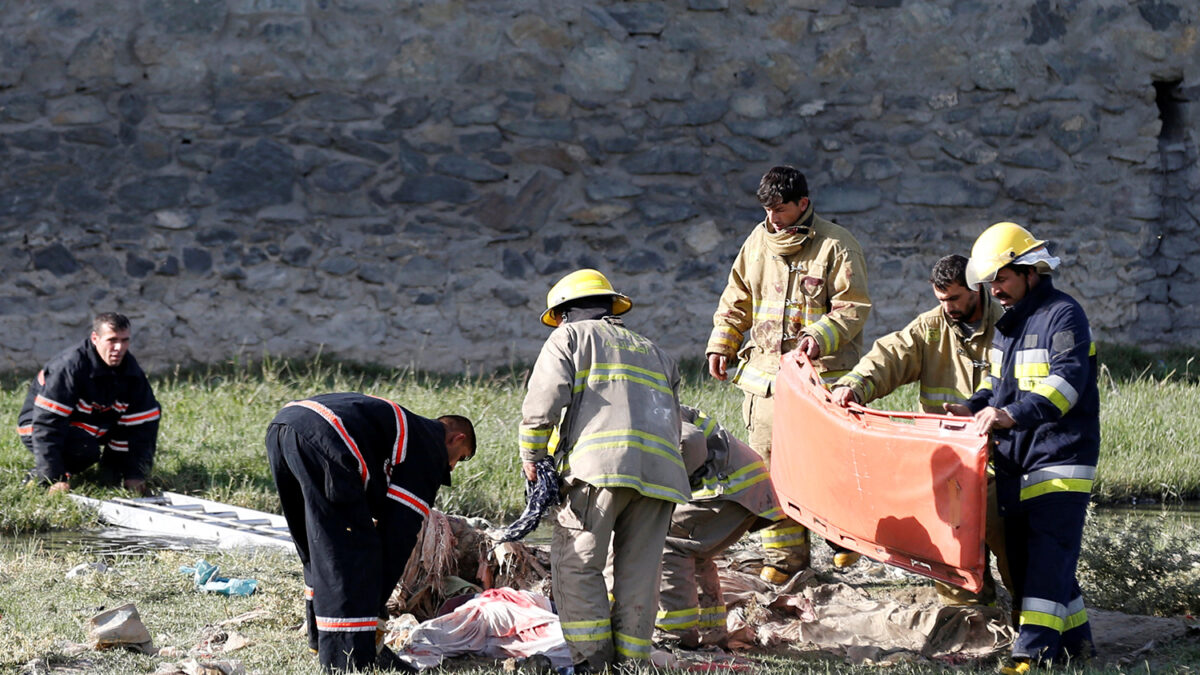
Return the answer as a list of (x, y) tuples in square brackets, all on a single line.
[(357, 475), (613, 396), (92, 403), (798, 282), (1040, 403), (731, 495), (946, 350)]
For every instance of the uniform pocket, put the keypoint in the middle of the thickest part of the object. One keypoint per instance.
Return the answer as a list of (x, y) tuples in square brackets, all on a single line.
[(578, 506)]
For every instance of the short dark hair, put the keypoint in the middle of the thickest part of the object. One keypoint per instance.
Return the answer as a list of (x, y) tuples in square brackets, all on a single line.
[(782, 184), (461, 425), (948, 271), (115, 321)]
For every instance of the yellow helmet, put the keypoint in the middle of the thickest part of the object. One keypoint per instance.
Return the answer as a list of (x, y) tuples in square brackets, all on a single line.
[(581, 284), (999, 245)]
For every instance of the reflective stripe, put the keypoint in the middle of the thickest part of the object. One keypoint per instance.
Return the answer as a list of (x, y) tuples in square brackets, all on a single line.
[(139, 418), (52, 405), (784, 537), (616, 480), (1029, 363), (1064, 478), (119, 446), (336, 422), (631, 647), (827, 335), (679, 619), (705, 423), (621, 372), (774, 513), (934, 396), (713, 617), (1091, 346), (986, 383), (776, 309), (95, 432), (830, 377), (408, 499), (995, 359), (1058, 391), (1076, 614), (751, 474), (120, 406), (308, 592), (754, 380), (534, 439), (629, 438), (400, 449), (25, 431), (1045, 613), (339, 624), (83, 406), (867, 386), (726, 336), (587, 631)]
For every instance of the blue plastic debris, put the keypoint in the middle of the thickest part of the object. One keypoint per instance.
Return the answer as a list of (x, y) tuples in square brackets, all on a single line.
[(205, 576)]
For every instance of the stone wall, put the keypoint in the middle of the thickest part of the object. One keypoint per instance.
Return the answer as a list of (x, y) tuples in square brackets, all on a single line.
[(401, 182)]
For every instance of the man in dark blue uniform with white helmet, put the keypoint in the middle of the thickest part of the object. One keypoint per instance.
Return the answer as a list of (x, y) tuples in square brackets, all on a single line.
[(1041, 405)]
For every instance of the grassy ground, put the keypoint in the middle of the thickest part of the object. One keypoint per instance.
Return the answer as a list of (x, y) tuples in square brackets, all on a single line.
[(211, 444)]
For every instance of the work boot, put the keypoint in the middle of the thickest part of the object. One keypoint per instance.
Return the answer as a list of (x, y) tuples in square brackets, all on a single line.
[(774, 575), (844, 559), (1018, 667)]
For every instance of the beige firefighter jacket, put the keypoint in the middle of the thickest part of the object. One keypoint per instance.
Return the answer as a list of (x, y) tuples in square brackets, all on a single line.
[(934, 350), (732, 471), (772, 300), (613, 396)]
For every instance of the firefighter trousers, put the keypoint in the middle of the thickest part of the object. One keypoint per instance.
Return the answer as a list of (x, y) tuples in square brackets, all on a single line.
[(591, 520), (691, 606), (330, 522), (1044, 538)]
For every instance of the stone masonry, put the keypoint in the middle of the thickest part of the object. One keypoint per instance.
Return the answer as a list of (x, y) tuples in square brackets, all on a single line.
[(401, 182)]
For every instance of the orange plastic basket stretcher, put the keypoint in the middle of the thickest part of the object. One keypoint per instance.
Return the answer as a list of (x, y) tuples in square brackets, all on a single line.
[(906, 489)]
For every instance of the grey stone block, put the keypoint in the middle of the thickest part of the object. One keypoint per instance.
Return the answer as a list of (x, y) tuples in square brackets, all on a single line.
[(338, 265), (428, 189), (943, 190), (184, 17), (660, 160), (640, 18), (55, 258), (468, 169), (151, 193), (1031, 158), (197, 260), (258, 175), (137, 267), (849, 198), (342, 176), (604, 188)]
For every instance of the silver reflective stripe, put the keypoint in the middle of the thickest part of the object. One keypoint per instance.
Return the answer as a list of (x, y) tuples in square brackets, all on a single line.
[(1064, 471), (1076, 606), (1032, 356), (1063, 387), (1044, 606)]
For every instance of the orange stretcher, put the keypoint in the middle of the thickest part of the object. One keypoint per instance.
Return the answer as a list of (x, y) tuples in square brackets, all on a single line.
[(905, 489)]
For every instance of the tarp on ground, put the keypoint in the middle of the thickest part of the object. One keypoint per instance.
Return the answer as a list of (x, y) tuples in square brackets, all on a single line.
[(906, 489)]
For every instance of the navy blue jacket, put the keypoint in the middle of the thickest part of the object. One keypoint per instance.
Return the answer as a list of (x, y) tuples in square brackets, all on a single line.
[(78, 397), (1043, 374)]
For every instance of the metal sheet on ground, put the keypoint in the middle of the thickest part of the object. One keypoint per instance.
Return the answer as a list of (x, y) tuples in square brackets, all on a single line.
[(902, 488)]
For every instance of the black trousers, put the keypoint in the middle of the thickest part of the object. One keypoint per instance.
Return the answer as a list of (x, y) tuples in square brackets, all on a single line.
[(331, 523)]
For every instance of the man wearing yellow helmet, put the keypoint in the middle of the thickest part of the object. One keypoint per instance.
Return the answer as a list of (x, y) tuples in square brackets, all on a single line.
[(613, 395), (1040, 404)]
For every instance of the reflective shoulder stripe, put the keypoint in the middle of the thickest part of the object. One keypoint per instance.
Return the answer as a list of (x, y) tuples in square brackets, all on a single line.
[(346, 624), (336, 422), (52, 406), (400, 450), (1058, 391), (408, 499)]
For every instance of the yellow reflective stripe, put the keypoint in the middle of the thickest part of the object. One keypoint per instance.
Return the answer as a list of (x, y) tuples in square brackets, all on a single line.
[(1056, 485), (1058, 391), (620, 372), (678, 619), (629, 438), (1076, 615), (774, 513), (751, 474), (631, 647), (784, 537), (753, 379), (830, 377), (705, 423), (986, 383), (712, 617), (1041, 612), (827, 335), (587, 631), (1042, 619), (1062, 478), (614, 480), (1092, 348), (726, 335), (534, 439)]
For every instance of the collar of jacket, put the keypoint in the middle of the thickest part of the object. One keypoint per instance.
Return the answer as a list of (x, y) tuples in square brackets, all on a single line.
[(792, 239), (1015, 315)]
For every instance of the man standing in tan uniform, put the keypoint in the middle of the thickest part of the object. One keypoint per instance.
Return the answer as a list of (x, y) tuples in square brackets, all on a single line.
[(731, 495), (946, 349), (799, 282), (613, 395)]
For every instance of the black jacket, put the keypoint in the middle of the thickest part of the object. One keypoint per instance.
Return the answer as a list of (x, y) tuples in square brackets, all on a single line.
[(78, 396)]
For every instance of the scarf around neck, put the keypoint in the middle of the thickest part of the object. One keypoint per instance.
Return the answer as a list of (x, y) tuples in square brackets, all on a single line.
[(789, 240)]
